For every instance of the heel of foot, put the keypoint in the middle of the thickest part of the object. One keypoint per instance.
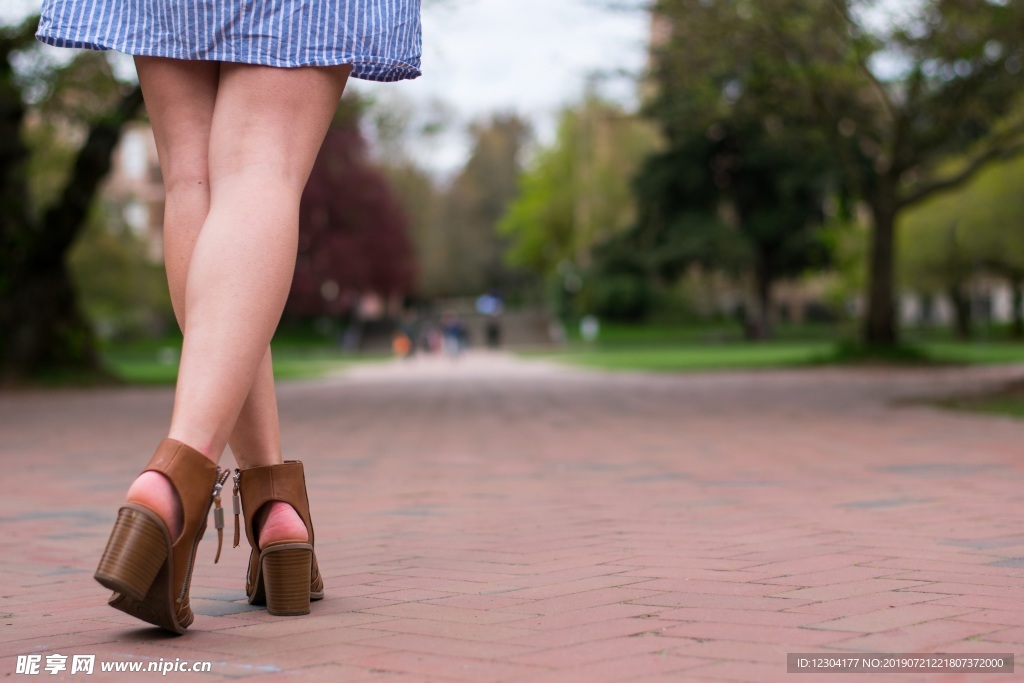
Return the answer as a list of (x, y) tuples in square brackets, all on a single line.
[(155, 491), (279, 522)]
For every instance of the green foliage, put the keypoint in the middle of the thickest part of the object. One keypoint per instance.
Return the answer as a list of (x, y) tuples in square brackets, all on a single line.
[(740, 188), (45, 194), (1009, 402), (460, 250), (856, 353), (951, 241), (66, 99), (576, 192), (848, 242), (979, 227), (156, 361), (689, 348), (122, 290), (397, 127), (699, 358), (422, 201), (619, 296), (913, 99), (540, 220)]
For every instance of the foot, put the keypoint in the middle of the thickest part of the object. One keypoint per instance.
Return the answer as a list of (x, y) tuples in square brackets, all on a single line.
[(154, 491), (278, 522)]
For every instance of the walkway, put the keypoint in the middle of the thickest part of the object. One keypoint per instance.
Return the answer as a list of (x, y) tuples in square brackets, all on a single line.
[(500, 520)]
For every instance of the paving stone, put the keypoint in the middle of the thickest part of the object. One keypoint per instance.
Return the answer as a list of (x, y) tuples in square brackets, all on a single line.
[(505, 520)]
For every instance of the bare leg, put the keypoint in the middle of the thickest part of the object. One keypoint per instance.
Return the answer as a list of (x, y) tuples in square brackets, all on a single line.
[(180, 97), (252, 221), (267, 128)]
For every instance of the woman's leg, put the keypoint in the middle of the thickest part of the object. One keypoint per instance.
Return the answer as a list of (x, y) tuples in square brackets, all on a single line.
[(182, 98), (268, 125)]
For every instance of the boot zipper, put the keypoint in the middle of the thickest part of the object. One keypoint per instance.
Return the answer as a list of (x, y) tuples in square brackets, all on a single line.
[(236, 504), (218, 511), (218, 484)]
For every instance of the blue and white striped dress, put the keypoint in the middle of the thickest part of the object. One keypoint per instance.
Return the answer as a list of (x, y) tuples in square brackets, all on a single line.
[(379, 38)]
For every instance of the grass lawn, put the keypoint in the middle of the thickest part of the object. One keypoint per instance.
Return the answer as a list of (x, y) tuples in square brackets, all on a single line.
[(154, 363), (651, 348), (680, 349), (1008, 400), (975, 352), (699, 357), (663, 351)]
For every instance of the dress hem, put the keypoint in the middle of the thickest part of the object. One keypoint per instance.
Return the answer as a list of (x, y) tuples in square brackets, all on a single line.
[(365, 68)]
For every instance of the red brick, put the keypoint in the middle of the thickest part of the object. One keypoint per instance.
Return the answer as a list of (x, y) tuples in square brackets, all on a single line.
[(615, 670), (919, 637), (893, 617), (753, 633), (457, 668), (849, 589), (501, 520)]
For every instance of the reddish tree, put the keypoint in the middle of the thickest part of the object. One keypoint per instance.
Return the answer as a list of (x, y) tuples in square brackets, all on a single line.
[(352, 230)]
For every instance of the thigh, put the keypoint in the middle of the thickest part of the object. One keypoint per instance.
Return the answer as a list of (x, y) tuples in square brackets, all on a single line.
[(272, 121), (180, 96)]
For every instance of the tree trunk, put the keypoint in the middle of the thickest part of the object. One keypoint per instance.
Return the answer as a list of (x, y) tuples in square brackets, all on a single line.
[(880, 324), (759, 324), (49, 333), (963, 321), (43, 329)]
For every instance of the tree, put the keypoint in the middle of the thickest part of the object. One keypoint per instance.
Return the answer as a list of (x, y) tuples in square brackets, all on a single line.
[(939, 258), (352, 230), (914, 101), (978, 229), (470, 248), (42, 326), (422, 202), (120, 288), (741, 193), (576, 192), (398, 129), (741, 187)]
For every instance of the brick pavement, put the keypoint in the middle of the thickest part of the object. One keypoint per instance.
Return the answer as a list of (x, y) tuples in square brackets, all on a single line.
[(498, 520)]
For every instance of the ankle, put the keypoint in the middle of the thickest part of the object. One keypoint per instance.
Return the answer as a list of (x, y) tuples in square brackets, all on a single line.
[(155, 491), (198, 441), (277, 522)]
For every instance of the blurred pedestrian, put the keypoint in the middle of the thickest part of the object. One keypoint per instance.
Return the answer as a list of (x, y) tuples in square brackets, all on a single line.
[(401, 344), (491, 306), (453, 332), (240, 96)]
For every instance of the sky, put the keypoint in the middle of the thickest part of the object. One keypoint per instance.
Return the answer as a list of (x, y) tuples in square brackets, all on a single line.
[(529, 56), (532, 57)]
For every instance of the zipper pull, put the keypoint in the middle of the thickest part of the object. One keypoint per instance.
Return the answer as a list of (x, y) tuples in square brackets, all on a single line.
[(218, 511), (236, 505)]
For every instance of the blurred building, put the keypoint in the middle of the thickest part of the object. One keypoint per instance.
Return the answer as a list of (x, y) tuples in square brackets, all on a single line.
[(134, 188), (989, 300)]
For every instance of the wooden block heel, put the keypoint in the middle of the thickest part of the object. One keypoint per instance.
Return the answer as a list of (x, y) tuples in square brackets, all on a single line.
[(149, 571), (284, 570), (137, 548)]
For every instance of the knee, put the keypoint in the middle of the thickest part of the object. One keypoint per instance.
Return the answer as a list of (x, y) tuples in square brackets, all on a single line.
[(187, 183), (273, 175)]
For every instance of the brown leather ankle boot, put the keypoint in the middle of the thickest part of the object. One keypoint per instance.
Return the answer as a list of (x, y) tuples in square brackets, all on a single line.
[(283, 575), (149, 572)]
